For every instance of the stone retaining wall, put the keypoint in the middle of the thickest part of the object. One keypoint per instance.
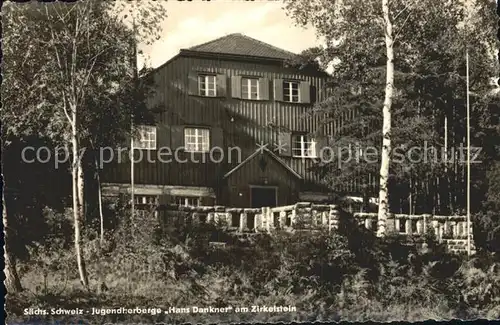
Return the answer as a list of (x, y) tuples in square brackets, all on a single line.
[(451, 230), (300, 215)]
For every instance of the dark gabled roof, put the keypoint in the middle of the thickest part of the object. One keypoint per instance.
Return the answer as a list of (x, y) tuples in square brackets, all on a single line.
[(239, 44), (261, 151)]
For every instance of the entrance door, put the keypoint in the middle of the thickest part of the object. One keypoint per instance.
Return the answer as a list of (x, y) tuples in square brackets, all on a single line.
[(263, 196)]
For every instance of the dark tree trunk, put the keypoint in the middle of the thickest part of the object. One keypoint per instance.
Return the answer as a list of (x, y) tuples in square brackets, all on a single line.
[(12, 282)]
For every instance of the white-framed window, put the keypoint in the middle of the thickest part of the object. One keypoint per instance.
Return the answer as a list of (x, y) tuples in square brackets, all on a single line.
[(207, 85), (249, 88), (145, 137), (291, 91), (146, 199), (146, 205), (187, 200), (196, 139), (303, 146)]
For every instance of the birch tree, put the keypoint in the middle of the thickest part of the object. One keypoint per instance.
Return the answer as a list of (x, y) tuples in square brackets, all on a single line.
[(428, 83), (344, 21), (383, 200), (74, 55)]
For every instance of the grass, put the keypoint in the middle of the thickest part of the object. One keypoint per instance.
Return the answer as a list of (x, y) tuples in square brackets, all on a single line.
[(214, 289), (327, 277)]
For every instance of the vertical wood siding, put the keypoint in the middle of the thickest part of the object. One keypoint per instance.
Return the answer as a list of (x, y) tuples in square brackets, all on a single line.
[(243, 122)]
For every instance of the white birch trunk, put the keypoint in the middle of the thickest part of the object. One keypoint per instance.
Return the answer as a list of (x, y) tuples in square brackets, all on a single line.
[(77, 186), (383, 208)]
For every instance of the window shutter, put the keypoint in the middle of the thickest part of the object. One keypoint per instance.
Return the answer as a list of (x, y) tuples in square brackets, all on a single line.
[(216, 138), (285, 142), (193, 83), (278, 89), (263, 89), (236, 86), (221, 81), (177, 137), (305, 92), (162, 136), (313, 93)]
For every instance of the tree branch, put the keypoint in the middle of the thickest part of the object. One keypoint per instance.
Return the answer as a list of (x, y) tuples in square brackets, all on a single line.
[(58, 60)]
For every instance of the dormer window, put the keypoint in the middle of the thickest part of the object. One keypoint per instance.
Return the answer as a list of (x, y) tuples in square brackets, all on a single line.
[(207, 85)]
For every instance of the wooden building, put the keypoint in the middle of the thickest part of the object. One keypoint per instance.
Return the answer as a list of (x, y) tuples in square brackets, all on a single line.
[(234, 129)]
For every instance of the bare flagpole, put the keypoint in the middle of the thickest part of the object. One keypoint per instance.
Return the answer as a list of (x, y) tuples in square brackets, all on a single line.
[(132, 206), (468, 153), (132, 187)]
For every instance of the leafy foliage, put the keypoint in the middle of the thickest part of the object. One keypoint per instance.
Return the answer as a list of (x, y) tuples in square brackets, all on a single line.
[(327, 276), (74, 86), (487, 221), (83, 57), (430, 80)]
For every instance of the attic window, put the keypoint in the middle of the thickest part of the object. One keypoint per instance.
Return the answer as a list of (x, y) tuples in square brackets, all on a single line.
[(207, 85), (291, 91)]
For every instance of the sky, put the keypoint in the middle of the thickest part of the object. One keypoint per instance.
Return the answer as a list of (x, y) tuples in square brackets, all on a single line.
[(193, 23)]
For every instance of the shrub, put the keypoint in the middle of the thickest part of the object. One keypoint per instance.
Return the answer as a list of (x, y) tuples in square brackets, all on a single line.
[(341, 275)]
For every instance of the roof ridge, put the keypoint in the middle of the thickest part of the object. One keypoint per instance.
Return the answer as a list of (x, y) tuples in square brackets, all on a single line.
[(279, 52), (267, 44), (212, 41)]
